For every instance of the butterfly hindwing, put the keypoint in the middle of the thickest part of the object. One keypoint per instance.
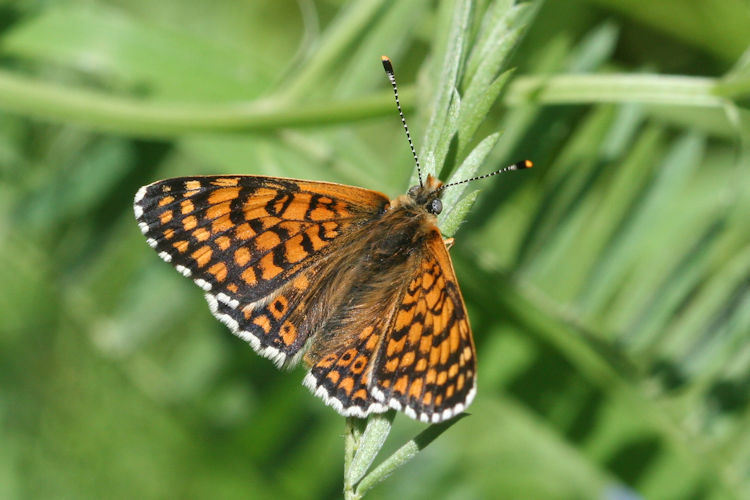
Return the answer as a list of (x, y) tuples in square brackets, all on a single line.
[(251, 243)]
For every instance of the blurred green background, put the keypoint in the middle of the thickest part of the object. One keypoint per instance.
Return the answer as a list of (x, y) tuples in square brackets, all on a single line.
[(608, 287)]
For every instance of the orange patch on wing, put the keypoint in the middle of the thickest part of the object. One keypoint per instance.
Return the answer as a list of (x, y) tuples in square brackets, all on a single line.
[(408, 359), (359, 364), (248, 276), (427, 398), (460, 382), (223, 195), (242, 256), (189, 222), (425, 344), (415, 333), (218, 210), (268, 269), (328, 361), (372, 342), (278, 205), (416, 388), (201, 234), (267, 240), (444, 352), (401, 384), (288, 333), (333, 376), (293, 250), (450, 390), (347, 384), (431, 376), (202, 256), (395, 346), (442, 378), (278, 306), (219, 270), (261, 192), (454, 339), (181, 246), (421, 365), (165, 216), (434, 356), (221, 225), (232, 288), (247, 311), (269, 222), (244, 232), (391, 365), (298, 207), (301, 282), (192, 185), (403, 318), (453, 370), (166, 200), (263, 322), (168, 233), (439, 400), (291, 227), (330, 229), (432, 297), (360, 394), (186, 207), (223, 242), (226, 181), (347, 357), (366, 331), (252, 211), (428, 280), (312, 233)]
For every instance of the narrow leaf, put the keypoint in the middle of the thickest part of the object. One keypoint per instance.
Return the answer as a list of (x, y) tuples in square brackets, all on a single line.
[(405, 453), (372, 439)]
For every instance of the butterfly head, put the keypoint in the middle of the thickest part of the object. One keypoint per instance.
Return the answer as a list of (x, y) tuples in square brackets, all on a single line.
[(428, 195)]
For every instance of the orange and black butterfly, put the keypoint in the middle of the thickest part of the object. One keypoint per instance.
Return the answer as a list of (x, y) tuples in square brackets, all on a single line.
[(358, 286)]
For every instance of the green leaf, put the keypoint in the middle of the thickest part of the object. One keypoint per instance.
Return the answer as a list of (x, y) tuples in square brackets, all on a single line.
[(368, 445), (451, 222), (449, 61), (404, 454)]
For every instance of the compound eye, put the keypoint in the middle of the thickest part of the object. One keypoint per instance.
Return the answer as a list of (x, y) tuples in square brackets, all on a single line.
[(436, 206)]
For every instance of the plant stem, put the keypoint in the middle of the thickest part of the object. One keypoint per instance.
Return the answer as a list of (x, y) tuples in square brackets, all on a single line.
[(616, 88), (140, 118)]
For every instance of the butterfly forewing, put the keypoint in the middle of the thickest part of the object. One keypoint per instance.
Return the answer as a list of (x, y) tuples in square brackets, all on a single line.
[(253, 244), (427, 365)]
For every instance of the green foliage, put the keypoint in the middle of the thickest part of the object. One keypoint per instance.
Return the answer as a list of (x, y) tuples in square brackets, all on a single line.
[(608, 287)]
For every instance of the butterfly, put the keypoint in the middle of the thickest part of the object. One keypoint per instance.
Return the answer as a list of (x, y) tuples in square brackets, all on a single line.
[(359, 287)]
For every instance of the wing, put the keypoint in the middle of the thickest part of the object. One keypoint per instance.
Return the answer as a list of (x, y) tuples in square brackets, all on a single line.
[(253, 245), (413, 352), (427, 364)]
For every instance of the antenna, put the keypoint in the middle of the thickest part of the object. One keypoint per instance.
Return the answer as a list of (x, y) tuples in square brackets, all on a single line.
[(516, 166), (389, 71)]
